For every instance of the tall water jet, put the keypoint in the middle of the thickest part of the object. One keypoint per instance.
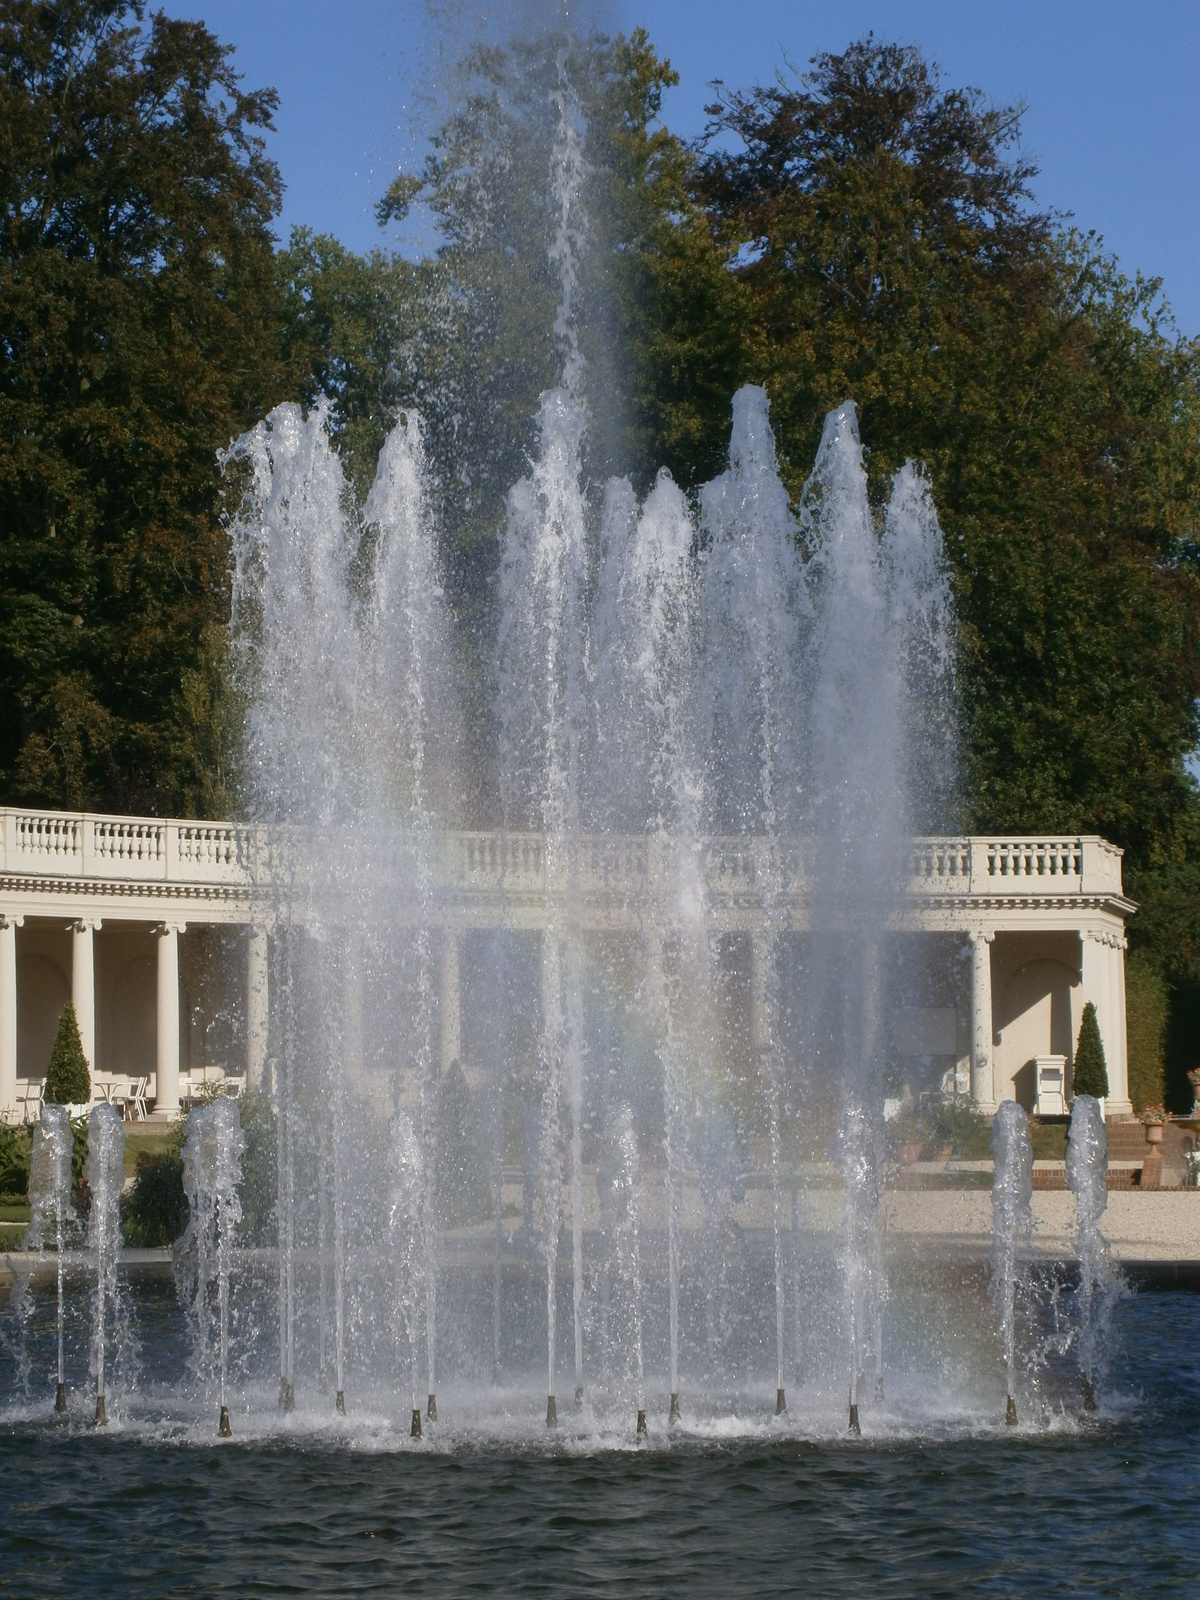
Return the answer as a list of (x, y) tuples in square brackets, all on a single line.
[(625, 1202), (543, 579), (1087, 1174), (646, 621), (542, 573), (1012, 1225), (407, 646), (879, 680), (407, 1226), (754, 605), (195, 1250), (49, 1200), (228, 1146), (106, 1179)]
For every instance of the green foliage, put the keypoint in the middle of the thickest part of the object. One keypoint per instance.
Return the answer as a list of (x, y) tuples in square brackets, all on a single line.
[(79, 1150), (890, 255), (954, 1121), (68, 1080), (154, 1210), (1147, 1002), (1089, 1073), (259, 1168), (15, 1152), (138, 332)]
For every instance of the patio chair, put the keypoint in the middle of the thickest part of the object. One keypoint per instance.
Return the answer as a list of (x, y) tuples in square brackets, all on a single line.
[(135, 1106), (35, 1088)]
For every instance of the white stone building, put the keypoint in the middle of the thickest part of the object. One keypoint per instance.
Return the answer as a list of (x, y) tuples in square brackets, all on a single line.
[(159, 931)]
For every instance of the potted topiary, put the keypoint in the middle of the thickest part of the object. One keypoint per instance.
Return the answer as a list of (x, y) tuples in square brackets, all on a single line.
[(1193, 1078), (68, 1081), (1154, 1120), (1090, 1074)]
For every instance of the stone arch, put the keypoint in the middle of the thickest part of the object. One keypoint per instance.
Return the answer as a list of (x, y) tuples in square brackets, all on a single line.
[(1033, 1019)]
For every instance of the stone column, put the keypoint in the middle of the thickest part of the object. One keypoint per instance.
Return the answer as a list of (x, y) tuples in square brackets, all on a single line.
[(257, 1006), (83, 984), (982, 1085), (1119, 1102), (166, 1103), (1102, 971), (450, 1000), (8, 1015)]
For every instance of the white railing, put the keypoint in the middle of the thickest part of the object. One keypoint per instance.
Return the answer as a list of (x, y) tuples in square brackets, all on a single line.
[(135, 849), (60, 845)]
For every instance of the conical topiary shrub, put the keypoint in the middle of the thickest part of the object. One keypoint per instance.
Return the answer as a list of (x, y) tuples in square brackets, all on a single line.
[(68, 1081), (1091, 1073)]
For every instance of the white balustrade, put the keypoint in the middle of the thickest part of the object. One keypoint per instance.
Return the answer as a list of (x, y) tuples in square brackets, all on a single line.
[(488, 865)]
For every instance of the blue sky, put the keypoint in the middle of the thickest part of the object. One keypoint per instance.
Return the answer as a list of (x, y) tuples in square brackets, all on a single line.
[(1113, 92)]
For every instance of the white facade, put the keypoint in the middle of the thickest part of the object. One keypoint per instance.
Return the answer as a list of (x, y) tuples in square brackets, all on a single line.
[(159, 932)]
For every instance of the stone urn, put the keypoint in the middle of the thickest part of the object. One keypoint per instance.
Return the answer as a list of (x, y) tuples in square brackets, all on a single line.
[(1154, 1132)]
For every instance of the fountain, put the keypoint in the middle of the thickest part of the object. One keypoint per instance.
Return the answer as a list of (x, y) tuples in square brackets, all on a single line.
[(721, 716), (106, 1179), (212, 1174), (1099, 1283), (1012, 1224), (50, 1200)]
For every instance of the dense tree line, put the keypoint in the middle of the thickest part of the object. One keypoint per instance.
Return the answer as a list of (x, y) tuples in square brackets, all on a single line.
[(860, 231)]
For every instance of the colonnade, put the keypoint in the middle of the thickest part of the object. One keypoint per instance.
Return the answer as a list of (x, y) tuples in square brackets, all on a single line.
[(167, 1006)]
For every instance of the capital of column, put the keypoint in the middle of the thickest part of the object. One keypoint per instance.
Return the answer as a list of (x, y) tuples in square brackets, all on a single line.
[(981, 935), (161, 929), (9, 919)]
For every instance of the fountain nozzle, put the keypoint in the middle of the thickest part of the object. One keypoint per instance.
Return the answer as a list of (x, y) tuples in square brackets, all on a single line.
[(1089, 1393), (673, 1413), (340, 1403), (578, 1396), (551, 1412), (780, 1402), (495, 1375), (101, 1413), (642, 1431), (60, 1400), (223, 1428), (1010, 1413), (854, 1425), (431, 1408), (415, 1431), (287, 1396)]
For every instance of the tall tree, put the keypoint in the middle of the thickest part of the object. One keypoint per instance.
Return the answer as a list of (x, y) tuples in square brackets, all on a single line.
[(883, 229), (138, 333)]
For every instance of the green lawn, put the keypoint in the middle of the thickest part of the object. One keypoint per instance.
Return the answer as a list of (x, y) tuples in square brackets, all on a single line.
[(154, 1144), (1049, 1140)]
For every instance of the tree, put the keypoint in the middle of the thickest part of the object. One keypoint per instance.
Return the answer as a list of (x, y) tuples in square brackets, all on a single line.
[(68, 1080), (1089, 1073), (138, 333)]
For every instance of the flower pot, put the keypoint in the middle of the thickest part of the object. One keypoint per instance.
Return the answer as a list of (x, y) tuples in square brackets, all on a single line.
[(908, 1152), (943, 1153), (1154, 1133)]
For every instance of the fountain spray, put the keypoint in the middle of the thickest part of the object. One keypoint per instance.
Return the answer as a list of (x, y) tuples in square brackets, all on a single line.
[(106, 1178), (228, 1143), (49, 1198), (1012, 1224), (407, 1228), (1087, 1170)]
